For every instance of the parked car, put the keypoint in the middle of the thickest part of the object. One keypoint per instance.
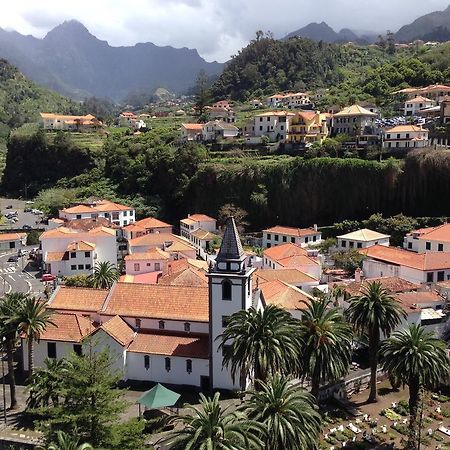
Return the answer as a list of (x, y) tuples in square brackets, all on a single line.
[(9, 207), (27, 210), (48, 277), (36, 211), (27, 227), (13, 258)]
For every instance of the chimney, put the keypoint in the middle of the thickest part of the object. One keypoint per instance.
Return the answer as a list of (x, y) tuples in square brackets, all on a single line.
[(315, 227), (358, 275)]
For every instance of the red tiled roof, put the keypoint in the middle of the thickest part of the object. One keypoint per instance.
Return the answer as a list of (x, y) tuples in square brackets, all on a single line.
[(440, 233), (141, 278), (276, 292), (187, 277), (150, 223), (119, 330), (297, 260), (283, 251), (152, 254), (78, 299), (12, 236), (170, 345), (291, 231), (392, 284), (201, 218), (418, 300), (69, 328), (290, 276), (158, 301)]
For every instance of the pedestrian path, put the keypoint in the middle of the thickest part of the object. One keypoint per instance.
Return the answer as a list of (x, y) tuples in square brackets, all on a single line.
[(10, 269)]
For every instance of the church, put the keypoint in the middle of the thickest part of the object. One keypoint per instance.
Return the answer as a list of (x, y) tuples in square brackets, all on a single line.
[(157, 333)]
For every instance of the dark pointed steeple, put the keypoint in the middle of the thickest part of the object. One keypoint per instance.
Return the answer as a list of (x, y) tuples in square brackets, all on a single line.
[(231, 248)]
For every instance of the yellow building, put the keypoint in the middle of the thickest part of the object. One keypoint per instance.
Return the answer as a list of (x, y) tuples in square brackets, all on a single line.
[(307, 127)]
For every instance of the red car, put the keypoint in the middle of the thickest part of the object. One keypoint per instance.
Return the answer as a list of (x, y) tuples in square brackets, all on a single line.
[(48, 277)]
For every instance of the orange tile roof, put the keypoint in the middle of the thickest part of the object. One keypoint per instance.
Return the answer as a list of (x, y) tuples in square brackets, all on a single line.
[(78, 299), (396, 256), (201, 218), (152, 222), (183, 263), (56, 256), (80, 246), (291, 231), (354, 110), (193, 126), (158, 301), (419, 99), (203, 235), (406, 128), (276, 292), (186, 277), (141, 278), (79, 209), (170, 345), (119, 330), (156, 239), (61, 232), (296, 261), (106, 205), (69, 328), (418, 300), (391, 284), (283, 251), (152, 254), (87, 224), (440, 233), (290, 276), (12, 236), (276, 114)]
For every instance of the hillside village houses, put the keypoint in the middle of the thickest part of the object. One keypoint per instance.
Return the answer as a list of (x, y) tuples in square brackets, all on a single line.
[(60, 122), (218, 130), (414, 105), (435, 92), (300, 236), (363, 238), (12, 241), (308, 127), (223, 113), (145, 226), (405, 136), (290, 100), (273, 124), (444, 110), (191, 131), (435, 239), (131, 120)]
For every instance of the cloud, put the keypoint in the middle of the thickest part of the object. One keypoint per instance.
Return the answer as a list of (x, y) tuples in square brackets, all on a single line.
[(217, 29)]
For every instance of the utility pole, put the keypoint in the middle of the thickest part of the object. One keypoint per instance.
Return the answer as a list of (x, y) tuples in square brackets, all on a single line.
[(3, 384)]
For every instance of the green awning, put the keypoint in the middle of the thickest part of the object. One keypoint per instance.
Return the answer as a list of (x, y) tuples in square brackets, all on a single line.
[(158, 397)]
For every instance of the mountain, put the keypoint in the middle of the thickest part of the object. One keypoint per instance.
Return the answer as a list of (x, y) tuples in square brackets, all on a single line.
[(435, 25), (323, 32), (72, 61)]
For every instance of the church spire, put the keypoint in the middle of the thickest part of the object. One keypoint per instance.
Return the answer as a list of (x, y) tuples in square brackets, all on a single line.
[(231, 247)]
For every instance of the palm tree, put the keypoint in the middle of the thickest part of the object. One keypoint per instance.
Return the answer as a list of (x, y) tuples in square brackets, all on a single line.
[(209, 427), (327, 350), (8, 335), (288, 414), (374, 312), (32, 319), (262, 342), (105, 275), (67, 442), (417, 359)]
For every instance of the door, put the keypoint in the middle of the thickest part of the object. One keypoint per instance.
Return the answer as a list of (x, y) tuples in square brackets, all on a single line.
[(204, 383)]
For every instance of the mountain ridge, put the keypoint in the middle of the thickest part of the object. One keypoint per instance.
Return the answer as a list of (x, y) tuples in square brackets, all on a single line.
[(74, 62)]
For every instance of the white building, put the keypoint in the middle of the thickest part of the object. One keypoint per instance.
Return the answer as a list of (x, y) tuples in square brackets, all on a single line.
[(146, 226), (153, 260), (191, 131), (414, 105), (117, 214), (297, 100), (363, 238), (216, 129), (12, 241), (429, 267), (405, 136), (59, 122), (301, 236), (68, 252), (195, 222), (275, 100), (273, 124), (436, 239)]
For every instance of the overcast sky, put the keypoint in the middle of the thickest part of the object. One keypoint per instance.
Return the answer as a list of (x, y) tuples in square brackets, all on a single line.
[(216, 28)]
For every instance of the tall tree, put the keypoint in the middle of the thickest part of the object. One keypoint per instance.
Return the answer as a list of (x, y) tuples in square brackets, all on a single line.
[(417, 359), (8, 335), (105, 275), (375, 311), (262, 342), (202, 94), (32, 318), (209, 427), (288, 414), (327, 337)]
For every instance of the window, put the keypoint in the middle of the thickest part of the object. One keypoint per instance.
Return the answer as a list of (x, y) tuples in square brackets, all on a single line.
[(137, 267), (430, 277), (147, 362), (157, 266), (293, 240), (73, 267), (440, 276), (284, 239), (276, 237), (269, 245), (306, 239), (440, 247), (87, 254), (268, 236), (314, 238), (409, 244), (51, 349), (226, 290), (78, 216), (161, 325), (225, 320), (351, 244), (80, 266), (73, 254), (428, 245), (138, 323), (78, 349), (359, 245), (87, 266), (167, 364), (344, 244), (189, 365), (187, 327)]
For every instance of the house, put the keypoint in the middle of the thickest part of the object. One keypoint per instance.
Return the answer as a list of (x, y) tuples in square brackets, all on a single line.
[(274, 101), (176, 246), (68, 252), (12, 241), (307, 127), (255, 103), (435, 239), (291, 256), (293, 277), (369, 106), (354, 121), (273, 124), (297, 100), (191, 131), (153, 260), (300, 236), (435, 92), (195, 222), (127, 119), (428, 267), (117, 214), (363, 238), (225, 114), (405, 136), (218, 129), (445, 110), (222, 104), (185, 272), (414, 105), (59, 122), (146, 226)]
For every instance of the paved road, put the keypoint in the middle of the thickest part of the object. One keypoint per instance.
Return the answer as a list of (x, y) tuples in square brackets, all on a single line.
[(25, 218)]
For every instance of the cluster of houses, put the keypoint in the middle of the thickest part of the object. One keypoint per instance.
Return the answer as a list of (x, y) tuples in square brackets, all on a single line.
[(163, 316)]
